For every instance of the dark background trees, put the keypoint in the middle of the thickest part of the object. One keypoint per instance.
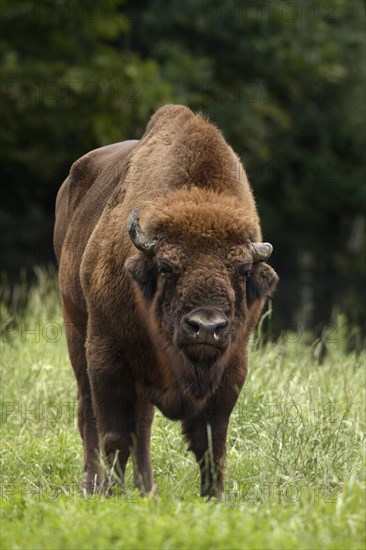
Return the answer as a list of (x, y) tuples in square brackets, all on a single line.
[(283, 80)]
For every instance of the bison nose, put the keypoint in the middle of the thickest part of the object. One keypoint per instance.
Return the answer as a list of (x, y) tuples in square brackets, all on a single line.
[(205, 326)]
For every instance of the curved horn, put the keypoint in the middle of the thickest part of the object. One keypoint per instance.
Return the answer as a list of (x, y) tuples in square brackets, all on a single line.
[(261, 251), (138, 237)]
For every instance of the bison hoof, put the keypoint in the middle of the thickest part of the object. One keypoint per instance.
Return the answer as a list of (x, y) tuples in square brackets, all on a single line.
[(213, 492), (147, 487), (91, 484)]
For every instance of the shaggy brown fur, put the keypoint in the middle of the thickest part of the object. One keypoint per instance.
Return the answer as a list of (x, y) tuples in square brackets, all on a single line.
[(140, 327)]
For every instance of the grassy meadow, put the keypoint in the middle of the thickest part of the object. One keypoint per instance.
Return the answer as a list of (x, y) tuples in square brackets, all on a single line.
[(295, 463)]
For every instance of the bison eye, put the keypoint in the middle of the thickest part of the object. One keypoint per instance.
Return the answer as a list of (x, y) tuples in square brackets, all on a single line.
[(165, 270), (244, 270)]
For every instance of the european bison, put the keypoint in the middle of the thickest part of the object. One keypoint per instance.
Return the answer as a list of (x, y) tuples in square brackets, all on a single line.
[(162, 278)]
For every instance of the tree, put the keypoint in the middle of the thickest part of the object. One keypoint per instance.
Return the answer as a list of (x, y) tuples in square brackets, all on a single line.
[(283, 80)]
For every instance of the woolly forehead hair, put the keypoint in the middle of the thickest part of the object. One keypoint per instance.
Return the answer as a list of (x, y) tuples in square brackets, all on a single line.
[(198, 213)]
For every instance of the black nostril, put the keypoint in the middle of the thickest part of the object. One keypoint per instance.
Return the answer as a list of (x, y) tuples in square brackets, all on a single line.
[(218, 328), (194, 326)]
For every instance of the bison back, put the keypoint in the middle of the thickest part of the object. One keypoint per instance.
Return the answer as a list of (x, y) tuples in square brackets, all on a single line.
[(80, 202)]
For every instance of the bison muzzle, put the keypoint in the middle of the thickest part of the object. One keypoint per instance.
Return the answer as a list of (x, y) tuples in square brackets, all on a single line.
[(163, 276)]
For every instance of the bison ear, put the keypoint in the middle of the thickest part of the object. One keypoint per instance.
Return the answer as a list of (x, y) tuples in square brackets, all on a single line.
[(143, 271), (261, 282)]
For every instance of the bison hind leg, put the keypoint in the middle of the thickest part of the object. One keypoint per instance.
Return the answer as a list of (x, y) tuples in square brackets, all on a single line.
[(86, 417)]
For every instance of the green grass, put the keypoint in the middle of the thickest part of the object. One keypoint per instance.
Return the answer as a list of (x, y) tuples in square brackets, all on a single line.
[(295, 472)]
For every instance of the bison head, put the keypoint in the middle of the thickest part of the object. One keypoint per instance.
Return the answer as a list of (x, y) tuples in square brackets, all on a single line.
[(201, 281)]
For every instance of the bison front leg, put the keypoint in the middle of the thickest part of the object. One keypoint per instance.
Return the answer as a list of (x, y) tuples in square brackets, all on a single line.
[(206, 436), (206, 433), (143, 475)]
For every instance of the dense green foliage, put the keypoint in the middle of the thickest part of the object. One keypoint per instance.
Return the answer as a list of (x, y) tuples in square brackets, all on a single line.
[(283, 80), (295, 474)]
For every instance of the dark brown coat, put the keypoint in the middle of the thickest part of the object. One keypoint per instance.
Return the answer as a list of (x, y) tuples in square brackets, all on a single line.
[(164, 326)]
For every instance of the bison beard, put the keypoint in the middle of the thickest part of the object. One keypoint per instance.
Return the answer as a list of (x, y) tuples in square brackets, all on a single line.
[(200, 371), (159, 314), (204, 378)]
